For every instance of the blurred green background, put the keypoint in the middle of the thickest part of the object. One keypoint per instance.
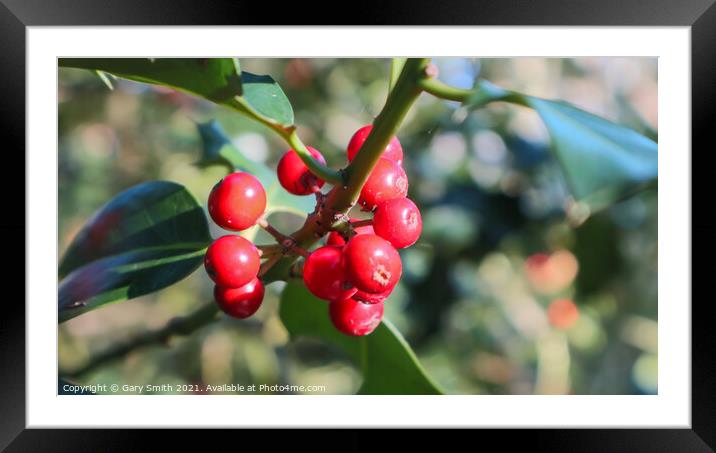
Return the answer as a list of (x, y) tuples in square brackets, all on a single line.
[(505, 293)]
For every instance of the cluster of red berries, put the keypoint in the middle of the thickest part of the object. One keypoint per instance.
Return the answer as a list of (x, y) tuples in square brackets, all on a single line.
[(236, 203), (355, 271), (358, 268)]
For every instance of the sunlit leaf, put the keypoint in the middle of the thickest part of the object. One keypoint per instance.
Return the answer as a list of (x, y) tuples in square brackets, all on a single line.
[(266, 96), (603, 162)]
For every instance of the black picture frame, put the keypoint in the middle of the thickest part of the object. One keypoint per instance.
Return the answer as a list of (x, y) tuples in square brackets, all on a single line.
[(16, 15)]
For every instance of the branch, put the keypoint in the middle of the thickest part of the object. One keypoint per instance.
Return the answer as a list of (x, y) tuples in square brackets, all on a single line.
[(183, 326)]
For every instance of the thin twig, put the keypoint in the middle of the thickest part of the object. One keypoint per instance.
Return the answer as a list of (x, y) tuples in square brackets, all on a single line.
[(183, 326), (280, 237), (268, 264)]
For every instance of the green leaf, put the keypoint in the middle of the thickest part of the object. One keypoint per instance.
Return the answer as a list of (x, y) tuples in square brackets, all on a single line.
[(266, 97), (388, 364), (219, 80), (145, 239), (218, 149), (603, 162), (216, 79)]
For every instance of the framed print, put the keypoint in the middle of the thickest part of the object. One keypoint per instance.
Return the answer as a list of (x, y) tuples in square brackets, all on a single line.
[(234, 226)]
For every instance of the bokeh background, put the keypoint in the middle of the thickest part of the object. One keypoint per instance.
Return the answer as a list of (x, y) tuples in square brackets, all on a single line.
[(507, 291)]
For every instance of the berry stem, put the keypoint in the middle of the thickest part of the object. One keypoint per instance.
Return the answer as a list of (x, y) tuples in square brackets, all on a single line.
[(286, 244), (361, 223), (280, 237), (268, 264), (289, 134), (319, 170), (268, 250)]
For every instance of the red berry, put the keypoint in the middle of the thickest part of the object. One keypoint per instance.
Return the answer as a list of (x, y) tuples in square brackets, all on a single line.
[(237, 201), (355, 318), (335, 238), (325, 275), (398, 221), (240, 302), (295, 176), (232, 261), (372, 264), (387, 181), (370, 298), (393, 151)]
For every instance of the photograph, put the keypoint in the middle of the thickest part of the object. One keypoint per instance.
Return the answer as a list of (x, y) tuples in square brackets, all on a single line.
[(357, 226)]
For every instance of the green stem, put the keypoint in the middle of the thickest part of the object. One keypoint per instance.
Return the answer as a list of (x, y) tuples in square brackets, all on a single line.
[(289, 134), (396, 66), (342, 197), (317, 168), (483, 93), (268, 250), (401, 98), (445, 91)]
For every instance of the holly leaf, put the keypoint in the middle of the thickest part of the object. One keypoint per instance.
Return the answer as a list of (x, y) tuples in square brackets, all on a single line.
[(219, 80), (388, 364), (603, 162), (266, 97), (144, 239), (216, 79)]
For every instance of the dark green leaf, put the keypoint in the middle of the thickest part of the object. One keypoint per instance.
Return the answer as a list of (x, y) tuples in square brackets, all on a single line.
[(216, 79), (388, 364), (146, 238), (603, 162), (218, 149)]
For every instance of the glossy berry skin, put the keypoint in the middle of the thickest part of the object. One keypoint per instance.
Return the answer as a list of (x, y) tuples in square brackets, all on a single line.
[(394, 151), (370, 298), (398, 221), (387, 181), (355, 318), (295, 176), (237, 201), (240, 302), (372, 264), (335, 238), (232, 261), (325, 276)]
